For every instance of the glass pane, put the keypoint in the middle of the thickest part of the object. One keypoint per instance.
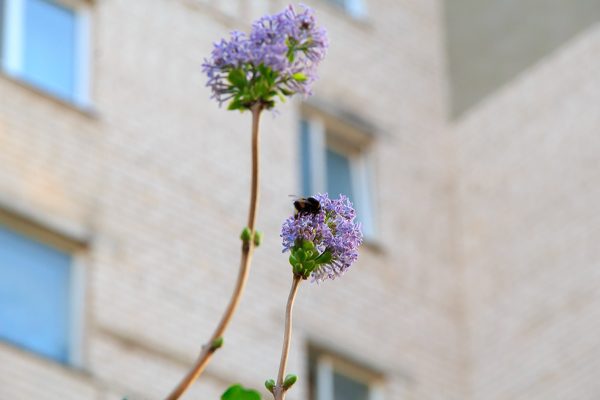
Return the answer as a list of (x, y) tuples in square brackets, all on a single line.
[(341, 3), (305, 159), (346, 388), (49, 51), (34, 295), (339, 177)]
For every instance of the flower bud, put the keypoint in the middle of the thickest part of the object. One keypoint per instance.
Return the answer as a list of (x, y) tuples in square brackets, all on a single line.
[(300, 255), (307, 245), (293, 260)]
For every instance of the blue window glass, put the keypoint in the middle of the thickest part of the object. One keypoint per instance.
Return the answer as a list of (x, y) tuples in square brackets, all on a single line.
[(49, 50), (34, 295), (346, 388), (341, 3), (339, 175)]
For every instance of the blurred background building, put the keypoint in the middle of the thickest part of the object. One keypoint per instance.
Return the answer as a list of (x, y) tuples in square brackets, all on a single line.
[(467, 132)]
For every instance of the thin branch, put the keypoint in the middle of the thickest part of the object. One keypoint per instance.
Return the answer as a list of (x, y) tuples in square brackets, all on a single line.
[(247, 250), (279, 390)]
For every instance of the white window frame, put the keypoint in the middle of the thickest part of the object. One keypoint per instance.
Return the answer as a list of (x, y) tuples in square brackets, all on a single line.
[(326, 365), (78, 279), (13, 51), (77, 309), (360, 170)]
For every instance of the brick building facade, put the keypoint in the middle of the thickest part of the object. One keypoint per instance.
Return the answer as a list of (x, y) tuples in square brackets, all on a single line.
[(479, 277)]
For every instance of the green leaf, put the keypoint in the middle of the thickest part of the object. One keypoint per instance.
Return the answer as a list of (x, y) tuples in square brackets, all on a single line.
[(237, 77), (324, 258), (309, 266), (299, 77), (264, 70), (235, 104), (238, 392), (281, 97)]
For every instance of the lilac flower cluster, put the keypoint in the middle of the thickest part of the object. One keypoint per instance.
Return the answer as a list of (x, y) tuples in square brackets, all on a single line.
[(323, 244), (278, 57)]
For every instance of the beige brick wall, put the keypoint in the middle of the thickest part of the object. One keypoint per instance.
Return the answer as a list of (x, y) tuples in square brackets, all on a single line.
[(482, 283), (157, 178), (528, 172)]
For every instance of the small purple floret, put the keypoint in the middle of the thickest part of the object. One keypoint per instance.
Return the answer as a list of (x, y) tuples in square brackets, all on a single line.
[(332, 229)]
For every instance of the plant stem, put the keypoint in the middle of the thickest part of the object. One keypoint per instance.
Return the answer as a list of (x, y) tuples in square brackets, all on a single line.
[(279, 391), (247, 250)]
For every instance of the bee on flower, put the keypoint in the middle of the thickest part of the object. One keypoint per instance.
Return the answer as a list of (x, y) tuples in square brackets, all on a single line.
[(322, 244)]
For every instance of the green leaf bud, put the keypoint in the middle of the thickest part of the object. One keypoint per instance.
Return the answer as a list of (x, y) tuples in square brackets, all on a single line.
[(300, 255), (297, 268), (246, 234), (257, 238), (270, 385), (217, 343), (289, 380), (299, 77)]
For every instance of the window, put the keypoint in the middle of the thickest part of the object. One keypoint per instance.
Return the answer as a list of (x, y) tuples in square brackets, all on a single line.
[(337, 163), (354, 8), (39, 284), (44, 42), (332, 378)]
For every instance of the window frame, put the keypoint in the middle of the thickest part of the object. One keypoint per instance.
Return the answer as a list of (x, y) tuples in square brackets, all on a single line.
[(322, 135), (77, 281), (327, 364), (12, 51)]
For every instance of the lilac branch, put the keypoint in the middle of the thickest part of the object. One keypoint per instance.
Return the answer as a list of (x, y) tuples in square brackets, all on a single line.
[(247, 251), (280, 389)]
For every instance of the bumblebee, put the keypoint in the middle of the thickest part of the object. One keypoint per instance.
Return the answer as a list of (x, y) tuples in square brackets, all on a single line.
[(307, 205)]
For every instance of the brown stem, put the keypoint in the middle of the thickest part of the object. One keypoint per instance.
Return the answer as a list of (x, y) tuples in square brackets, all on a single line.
[(279, 390), (247, 250)]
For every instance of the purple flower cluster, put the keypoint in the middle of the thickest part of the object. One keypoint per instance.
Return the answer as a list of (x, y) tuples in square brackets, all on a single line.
[(288, 44), (333, 232)]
